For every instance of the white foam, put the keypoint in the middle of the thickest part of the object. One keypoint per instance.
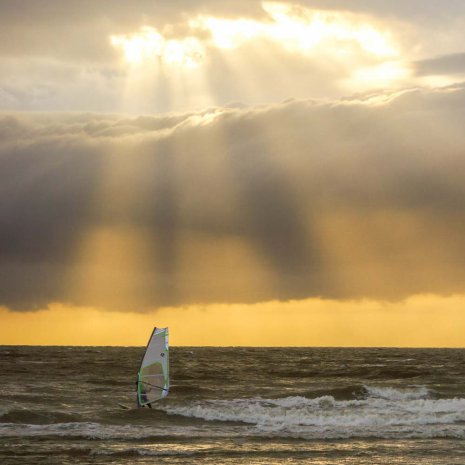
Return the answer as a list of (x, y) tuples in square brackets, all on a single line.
[(389, 393), (385, 413)]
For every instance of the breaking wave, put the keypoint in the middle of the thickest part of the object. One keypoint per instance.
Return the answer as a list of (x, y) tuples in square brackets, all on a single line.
[(396, 394), (374, 411), (384, 412)]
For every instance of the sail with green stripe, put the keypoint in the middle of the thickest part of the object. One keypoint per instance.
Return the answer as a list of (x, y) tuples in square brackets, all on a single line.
[(153, 377)]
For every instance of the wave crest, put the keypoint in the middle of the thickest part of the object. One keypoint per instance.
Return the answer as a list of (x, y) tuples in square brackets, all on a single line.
[(411, 411)]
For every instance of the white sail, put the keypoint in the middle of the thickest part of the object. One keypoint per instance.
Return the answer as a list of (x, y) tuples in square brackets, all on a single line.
[(153, 377)]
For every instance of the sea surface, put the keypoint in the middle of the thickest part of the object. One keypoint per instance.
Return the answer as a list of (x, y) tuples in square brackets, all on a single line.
[(59, 405)]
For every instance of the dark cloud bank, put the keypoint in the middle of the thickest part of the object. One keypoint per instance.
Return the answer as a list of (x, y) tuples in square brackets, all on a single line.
[(352, 199), (446, 64)]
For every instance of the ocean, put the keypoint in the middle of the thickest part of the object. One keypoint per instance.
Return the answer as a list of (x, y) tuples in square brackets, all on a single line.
[(324, 406)]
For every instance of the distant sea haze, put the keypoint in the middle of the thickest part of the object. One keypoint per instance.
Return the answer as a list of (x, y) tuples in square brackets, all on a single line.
[(60, 405)]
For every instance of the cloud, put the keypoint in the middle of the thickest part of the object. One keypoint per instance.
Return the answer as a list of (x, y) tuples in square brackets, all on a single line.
[(59, 56), (346, 199), (79, 29), (447, 64)]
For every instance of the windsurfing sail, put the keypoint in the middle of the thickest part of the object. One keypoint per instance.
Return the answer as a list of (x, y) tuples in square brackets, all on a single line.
[(153, 380)]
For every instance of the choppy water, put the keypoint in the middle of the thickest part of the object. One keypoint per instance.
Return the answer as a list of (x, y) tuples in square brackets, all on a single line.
[(59, 405)]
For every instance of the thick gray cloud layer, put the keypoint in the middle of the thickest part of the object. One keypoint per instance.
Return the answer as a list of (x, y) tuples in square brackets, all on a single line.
[(356, 198), (447, 64)]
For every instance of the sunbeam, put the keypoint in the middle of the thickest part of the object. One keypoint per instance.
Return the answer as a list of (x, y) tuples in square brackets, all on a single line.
[(289, 43), (112, 256), (150, 45), (300, 30), (199, 154)]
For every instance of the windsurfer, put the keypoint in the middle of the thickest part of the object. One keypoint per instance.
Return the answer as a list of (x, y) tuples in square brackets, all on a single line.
[(143, 394)]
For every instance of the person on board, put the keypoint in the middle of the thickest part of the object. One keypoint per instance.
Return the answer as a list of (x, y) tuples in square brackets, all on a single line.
[(143, 394)]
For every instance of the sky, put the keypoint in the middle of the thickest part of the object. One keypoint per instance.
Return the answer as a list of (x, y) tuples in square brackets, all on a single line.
[(244, 172)]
